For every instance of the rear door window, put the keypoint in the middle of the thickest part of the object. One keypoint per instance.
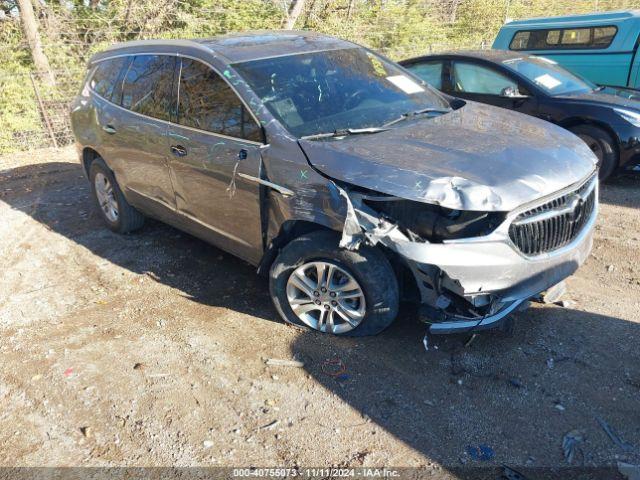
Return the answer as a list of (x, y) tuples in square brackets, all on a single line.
[(430, 72), (147, 85), (105, 78), (472, 78), (207, 102)]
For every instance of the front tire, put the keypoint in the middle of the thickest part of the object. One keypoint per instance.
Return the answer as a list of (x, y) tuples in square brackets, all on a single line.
[(315, 284), (602, 145), (114, 209)]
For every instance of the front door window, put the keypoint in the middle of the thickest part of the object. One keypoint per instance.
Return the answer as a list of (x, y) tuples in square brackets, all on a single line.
[(471, 78), (206, 102)]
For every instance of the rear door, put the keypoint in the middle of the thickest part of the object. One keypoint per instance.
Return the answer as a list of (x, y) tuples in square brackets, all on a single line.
[(140, 129), (481, 83), (105, 87), (215, 160)]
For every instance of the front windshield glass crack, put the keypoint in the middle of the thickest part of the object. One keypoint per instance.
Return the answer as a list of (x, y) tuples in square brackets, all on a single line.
[(337, 91)]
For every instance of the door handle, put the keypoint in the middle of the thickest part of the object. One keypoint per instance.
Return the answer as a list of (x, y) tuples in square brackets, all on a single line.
[(178, 150), (109, 129), (242, 154)]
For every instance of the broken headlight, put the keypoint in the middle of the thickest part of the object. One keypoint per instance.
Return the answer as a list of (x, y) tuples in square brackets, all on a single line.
[(435, 223)]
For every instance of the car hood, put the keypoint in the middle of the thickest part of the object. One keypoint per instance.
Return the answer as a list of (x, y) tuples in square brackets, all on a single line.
[(475, 158), (614, 97)]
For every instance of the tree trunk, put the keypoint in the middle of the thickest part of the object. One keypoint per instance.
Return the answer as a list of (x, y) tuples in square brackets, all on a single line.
[(127, 15), (295, 9), (351, 9), (93, 4), (454, 11), (30, 26)]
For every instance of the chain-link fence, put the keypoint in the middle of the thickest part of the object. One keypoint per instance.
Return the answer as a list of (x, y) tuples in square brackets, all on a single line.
[(37, 114)]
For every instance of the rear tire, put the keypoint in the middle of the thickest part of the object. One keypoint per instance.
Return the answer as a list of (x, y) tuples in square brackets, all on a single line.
[(602, 145), (364, 284), (114, 209)]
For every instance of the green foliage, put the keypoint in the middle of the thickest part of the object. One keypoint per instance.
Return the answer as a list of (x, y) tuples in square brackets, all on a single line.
[(72, 30)]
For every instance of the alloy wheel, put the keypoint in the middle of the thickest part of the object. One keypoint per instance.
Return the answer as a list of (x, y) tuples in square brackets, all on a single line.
[(106, 197), (326, 297)]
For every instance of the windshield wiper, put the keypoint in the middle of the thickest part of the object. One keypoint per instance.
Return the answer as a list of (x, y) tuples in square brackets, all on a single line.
[(344, 132), (405, 116)]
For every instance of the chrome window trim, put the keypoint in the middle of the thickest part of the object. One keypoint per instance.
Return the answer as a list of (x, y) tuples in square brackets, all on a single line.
[(179, 55), (221, 135)]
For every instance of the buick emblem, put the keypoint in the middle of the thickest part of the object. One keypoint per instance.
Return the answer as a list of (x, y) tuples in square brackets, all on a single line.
[(574, 203)]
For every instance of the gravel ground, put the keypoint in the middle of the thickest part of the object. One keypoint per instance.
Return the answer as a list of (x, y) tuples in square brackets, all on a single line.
[(150, 350)]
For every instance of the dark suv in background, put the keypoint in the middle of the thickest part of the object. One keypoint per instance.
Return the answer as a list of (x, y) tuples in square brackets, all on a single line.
[(346, 178)]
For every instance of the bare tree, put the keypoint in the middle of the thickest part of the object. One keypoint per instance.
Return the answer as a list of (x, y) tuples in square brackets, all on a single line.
[(295, 9), (30, 27)]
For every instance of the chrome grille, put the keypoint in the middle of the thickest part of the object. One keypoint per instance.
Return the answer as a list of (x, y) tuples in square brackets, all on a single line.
[(556, 223)]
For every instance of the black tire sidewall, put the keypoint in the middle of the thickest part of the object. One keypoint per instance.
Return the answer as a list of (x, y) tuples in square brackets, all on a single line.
[(368, 265), (610, 157)]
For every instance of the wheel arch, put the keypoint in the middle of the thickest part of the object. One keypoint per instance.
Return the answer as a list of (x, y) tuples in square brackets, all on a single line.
[(292, 229), (289, 230), (89, 154), (572, 122), (578, 121)]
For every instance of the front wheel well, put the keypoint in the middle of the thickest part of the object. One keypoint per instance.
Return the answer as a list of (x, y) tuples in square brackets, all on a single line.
[(573, 122), (88, 156), (289, 230), (292, 229)]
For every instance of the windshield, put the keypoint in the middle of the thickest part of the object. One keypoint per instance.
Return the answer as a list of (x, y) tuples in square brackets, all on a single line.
[(333, 90), (549, 76)]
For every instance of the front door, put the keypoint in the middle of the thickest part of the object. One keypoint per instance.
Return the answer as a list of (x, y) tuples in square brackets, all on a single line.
[(483, 84), (215, 159)]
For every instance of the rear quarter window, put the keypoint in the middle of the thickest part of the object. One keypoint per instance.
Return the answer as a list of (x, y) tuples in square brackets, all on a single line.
[(564, 38), (104, 79)]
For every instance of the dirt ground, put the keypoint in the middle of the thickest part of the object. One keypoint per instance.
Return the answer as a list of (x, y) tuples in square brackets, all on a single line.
[(150, 350)]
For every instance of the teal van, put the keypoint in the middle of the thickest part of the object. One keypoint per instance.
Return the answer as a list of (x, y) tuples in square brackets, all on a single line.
[(601, 47)]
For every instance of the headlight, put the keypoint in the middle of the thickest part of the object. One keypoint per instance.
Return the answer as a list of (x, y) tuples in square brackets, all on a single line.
[(629, 115), (434, 223)]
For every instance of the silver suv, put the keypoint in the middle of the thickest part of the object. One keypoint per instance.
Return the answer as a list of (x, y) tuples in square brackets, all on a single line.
[(347, 179)]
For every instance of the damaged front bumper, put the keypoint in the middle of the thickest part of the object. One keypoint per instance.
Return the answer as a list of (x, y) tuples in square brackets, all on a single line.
[(475, 283)]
